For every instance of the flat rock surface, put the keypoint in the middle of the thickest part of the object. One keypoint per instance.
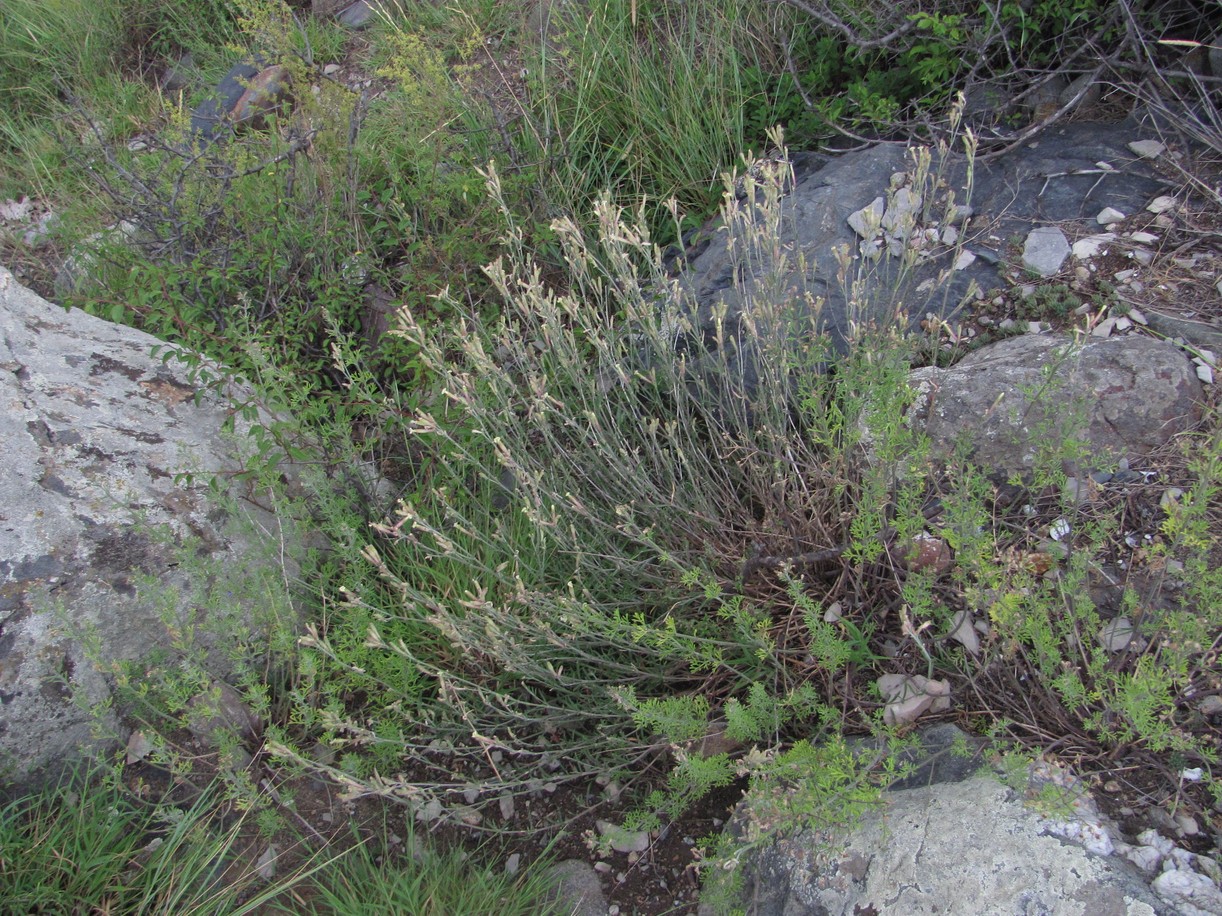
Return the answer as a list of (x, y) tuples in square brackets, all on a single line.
[(96, 432), (1132, 394), (954, 849)]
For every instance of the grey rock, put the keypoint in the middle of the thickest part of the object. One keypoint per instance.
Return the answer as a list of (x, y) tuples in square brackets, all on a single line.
[(249, 92), (220, 711), (323, 8), (866, 221), (903, 212), (623, 840), (1200, 334), (359, 15), (1054, 180), (1190, 890), (179, 74), (1047, 96), (1092, 245), (955, 848), (1091, 90), (942, 753), (265, 867), (1115, 635), (1045, 250), (1147, 149), (1134, 393), (93, 516), (986, 105), (578, 889)]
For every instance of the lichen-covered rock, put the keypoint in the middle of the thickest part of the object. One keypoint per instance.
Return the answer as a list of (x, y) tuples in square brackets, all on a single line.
[(95, 433), (970, 848), (1013, 397)]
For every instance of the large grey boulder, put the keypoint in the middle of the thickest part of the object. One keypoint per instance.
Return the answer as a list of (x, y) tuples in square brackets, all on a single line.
[(93, 516), (970, 848), (1009, 399)]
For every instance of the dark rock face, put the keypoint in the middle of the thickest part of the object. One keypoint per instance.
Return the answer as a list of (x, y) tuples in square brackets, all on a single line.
[(1054, 179), (1131, 394), (96, 433)]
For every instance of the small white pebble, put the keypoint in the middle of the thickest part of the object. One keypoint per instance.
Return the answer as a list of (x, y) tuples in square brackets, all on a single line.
[(1147, 149)]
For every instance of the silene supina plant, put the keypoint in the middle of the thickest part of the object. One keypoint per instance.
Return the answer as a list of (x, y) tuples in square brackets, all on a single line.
[(616, 476)]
